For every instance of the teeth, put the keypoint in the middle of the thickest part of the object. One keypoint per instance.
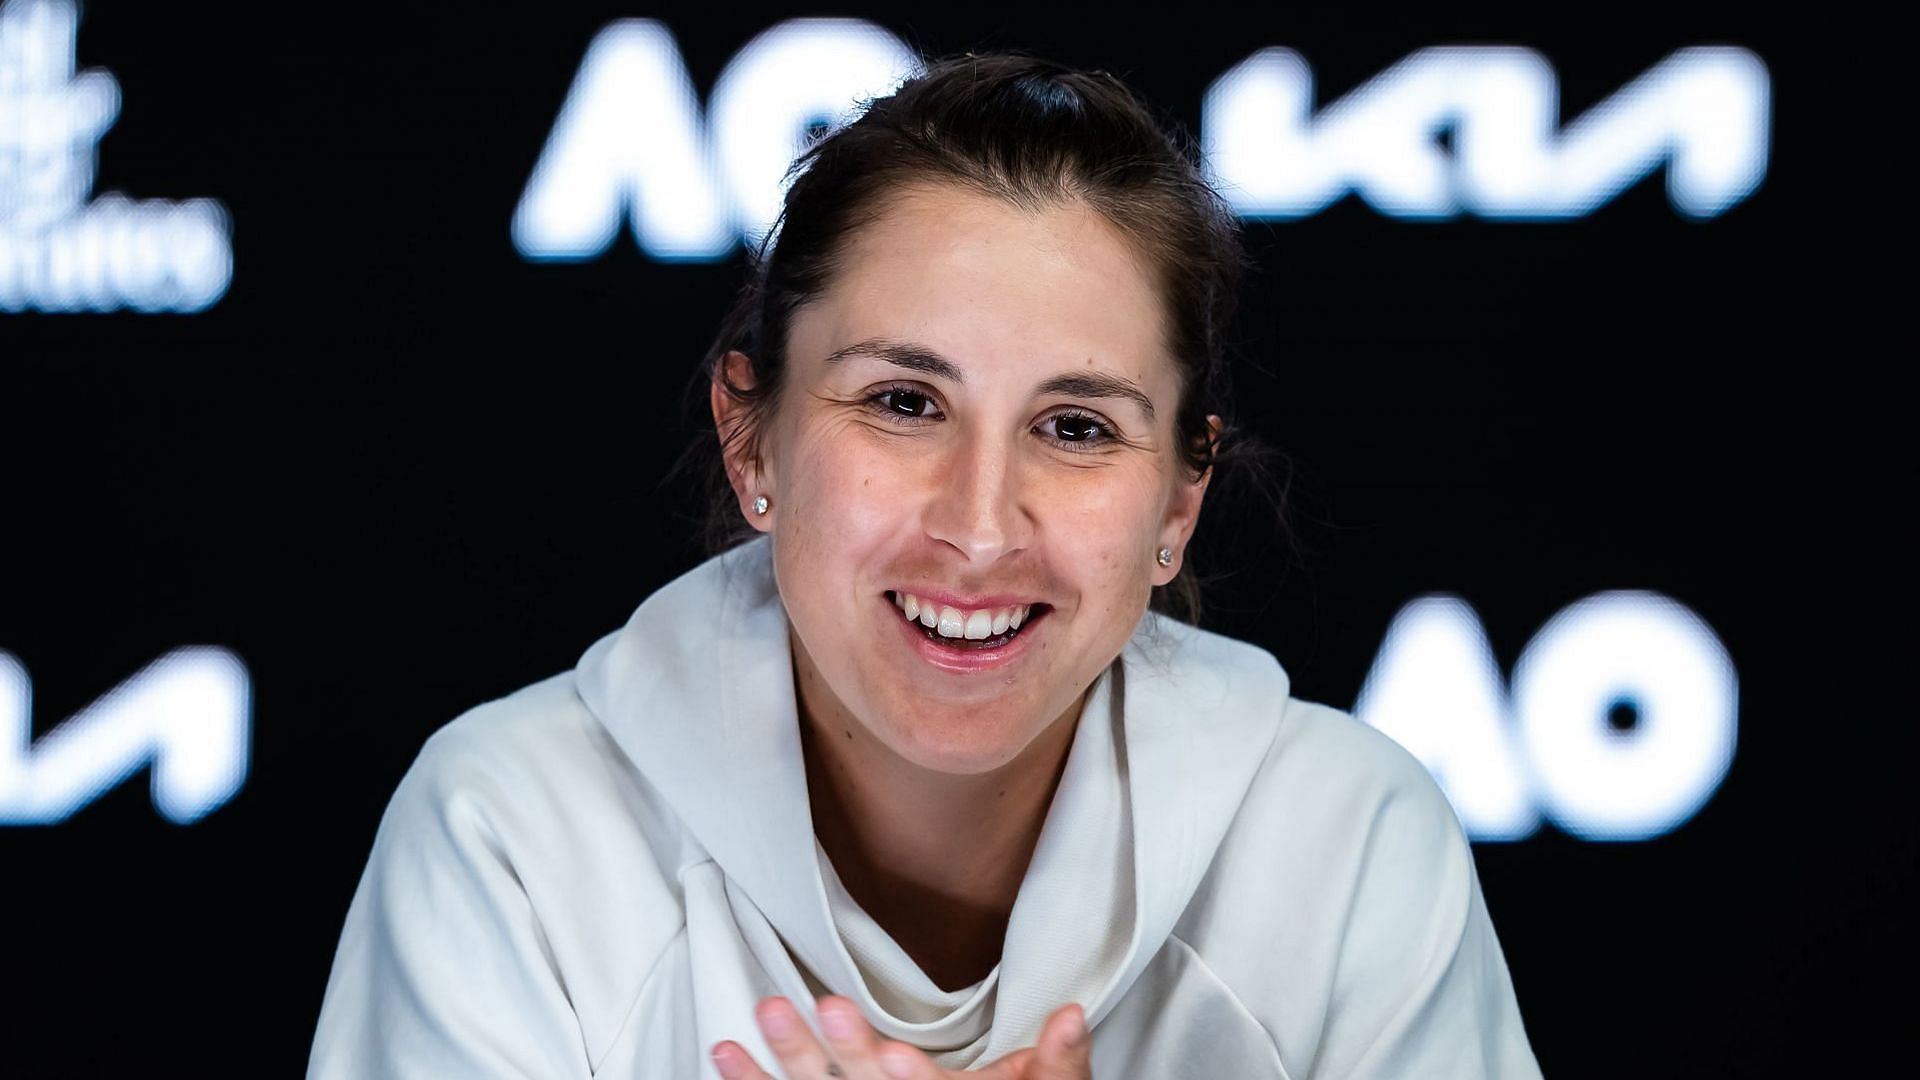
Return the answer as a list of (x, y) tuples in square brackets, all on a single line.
[(954, 623)]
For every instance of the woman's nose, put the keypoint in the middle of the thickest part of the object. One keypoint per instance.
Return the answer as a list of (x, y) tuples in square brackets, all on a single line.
[(976, 504)]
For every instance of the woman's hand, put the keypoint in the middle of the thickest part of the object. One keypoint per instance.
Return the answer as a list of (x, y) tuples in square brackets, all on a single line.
[(856, 1052)]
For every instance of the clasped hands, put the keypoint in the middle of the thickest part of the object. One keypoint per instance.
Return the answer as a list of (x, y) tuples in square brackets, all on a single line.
[(856, 1052)]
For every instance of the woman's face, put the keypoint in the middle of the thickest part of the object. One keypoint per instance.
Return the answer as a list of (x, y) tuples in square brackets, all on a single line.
[(979, 412)]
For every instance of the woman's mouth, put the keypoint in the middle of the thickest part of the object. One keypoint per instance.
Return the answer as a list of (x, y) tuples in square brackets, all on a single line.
[(962, 632)]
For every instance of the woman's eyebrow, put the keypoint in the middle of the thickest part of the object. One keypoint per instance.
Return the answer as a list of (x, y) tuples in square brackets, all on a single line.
[(915, 357), (1098, 384), (905, 354)]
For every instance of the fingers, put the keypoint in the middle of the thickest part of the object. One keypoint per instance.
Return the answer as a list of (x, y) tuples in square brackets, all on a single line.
[(1065, 1051), (735, 1063), (787, 1034), (861, 1052), (857, 1053)]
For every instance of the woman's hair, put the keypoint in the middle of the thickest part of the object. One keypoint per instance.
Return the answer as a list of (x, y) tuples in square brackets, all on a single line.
[(1033, 134)]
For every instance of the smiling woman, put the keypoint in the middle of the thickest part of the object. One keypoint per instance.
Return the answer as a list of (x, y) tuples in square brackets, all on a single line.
[(928, 767)]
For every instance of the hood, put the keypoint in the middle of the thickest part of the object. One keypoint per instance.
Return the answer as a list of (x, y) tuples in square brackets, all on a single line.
[(697, 689)]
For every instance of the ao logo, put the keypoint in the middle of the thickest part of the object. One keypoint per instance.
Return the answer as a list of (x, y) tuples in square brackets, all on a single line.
[(187, 714), (631, 143), (1620, 723), (58, 252)]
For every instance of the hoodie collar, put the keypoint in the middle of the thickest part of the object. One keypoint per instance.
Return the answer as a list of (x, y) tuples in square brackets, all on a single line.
[(697, 690)]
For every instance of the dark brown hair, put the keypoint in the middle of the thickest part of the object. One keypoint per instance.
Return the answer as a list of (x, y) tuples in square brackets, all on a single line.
[(1033, 134)]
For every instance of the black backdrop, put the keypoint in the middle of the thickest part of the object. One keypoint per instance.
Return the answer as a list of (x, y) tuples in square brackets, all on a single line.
[(399, 470)]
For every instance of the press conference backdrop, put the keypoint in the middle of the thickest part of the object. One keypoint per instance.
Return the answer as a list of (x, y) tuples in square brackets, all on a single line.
[(343, 364)]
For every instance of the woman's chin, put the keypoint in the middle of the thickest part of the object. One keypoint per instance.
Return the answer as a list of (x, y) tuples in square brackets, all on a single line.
[(960, 743)]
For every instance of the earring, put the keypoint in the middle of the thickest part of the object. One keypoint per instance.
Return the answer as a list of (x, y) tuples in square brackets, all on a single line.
[(760, 504), (1165, 556)]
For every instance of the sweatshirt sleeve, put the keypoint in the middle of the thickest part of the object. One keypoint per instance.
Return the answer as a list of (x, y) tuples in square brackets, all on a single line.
[(1421, 989), (443, 968)]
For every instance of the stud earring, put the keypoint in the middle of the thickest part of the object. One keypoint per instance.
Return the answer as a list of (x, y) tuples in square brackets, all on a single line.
[(1165, 556), (760, 504)]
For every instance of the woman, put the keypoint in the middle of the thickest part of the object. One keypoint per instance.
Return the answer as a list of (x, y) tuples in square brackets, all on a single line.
[(923, 777)]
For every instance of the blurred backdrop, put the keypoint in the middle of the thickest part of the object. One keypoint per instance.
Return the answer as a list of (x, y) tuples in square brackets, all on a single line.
[(343, 358)]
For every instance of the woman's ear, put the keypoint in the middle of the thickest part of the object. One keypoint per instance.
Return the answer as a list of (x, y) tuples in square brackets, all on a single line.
[(740, 449), (1183, 512)]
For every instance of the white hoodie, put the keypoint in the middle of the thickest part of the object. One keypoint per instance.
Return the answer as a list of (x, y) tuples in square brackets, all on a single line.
[(601, 873)]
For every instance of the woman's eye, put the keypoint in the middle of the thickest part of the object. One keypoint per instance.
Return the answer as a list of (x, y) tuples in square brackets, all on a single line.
[(1077, 431), (903, 403), (1067, 430), (1077, 428)]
